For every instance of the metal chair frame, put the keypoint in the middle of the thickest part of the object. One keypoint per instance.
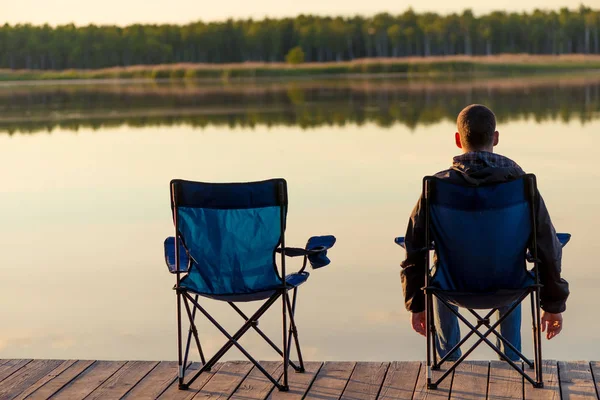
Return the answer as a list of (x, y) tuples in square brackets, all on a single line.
[(483, 321), (191, 304)]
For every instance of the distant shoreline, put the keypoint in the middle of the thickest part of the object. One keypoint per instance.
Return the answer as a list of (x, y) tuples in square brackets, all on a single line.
[(447, 67)]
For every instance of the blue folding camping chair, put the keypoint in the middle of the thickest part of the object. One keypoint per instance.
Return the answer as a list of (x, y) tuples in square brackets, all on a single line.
[(481, 236), (227, 236)]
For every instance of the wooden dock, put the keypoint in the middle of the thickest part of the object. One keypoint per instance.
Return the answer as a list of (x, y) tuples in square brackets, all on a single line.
[(78, 379)]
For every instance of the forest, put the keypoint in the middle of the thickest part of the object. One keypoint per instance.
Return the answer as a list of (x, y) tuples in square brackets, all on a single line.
[(308, 38)]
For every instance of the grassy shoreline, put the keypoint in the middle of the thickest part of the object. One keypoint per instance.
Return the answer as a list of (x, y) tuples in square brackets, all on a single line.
[(409, 68)]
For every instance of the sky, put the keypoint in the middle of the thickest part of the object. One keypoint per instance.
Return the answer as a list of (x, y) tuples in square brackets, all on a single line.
[(124, 12)]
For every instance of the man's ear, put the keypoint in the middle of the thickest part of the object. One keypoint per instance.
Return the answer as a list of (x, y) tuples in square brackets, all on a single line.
[(457, 139), (496, 138)]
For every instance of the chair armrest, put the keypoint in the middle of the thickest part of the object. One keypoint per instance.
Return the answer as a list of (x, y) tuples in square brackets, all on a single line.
[(297, 251), (400, 242), (317, 247), (184, 258), (314, 252), (563, 238)]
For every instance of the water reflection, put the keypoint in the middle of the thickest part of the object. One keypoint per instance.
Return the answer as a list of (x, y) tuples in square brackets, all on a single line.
[(84, 216), (29, 109)]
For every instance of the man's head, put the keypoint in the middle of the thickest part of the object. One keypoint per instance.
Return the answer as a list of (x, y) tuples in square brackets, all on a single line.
[(476, 129)]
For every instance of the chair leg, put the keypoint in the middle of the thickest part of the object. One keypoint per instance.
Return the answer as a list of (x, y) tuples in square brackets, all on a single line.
[(180, 369), (538, 363), (428, 334), (534, 328), (434, 365), (294, 331), (286, 354), (192, 332)]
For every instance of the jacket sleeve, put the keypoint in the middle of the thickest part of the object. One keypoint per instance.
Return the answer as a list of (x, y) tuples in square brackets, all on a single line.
[(555, 289), (413, 267)]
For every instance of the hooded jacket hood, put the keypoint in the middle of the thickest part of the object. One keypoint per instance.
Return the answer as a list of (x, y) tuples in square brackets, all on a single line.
[(481, 168)]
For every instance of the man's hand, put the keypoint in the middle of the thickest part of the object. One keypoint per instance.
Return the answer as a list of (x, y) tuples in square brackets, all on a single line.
[(418, 322), (551, 324)]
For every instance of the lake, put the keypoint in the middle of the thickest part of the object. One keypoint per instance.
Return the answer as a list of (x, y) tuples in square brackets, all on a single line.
[(85, 203)]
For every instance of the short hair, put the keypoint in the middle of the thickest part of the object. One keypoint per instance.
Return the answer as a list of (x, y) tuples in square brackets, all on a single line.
[(476, 125)]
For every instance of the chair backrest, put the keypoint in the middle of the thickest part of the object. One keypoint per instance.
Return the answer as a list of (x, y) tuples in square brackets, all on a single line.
[(480, 234), (231, 231)]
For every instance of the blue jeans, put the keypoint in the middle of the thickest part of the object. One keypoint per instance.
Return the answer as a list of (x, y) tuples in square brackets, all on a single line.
[(448, 330)]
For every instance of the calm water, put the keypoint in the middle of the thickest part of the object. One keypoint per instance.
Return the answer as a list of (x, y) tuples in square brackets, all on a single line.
[(85, 204)]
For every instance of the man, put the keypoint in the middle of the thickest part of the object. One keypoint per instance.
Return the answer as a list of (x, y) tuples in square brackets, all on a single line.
[(478, 164)]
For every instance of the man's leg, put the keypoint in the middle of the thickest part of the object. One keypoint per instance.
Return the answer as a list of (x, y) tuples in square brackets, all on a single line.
[(447, 330), (510, 328)]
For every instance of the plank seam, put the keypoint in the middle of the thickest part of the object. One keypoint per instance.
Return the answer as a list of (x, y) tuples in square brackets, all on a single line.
[(560, 392), (348, 381), (48, 373), (168, 385), (274, 387), (383, 380), (416, 381), (241, 381), (451, 383), (66, 383), (594, 381), (487, 388), (15, 371), (523, 379), (141, 379), (312, 381), (209, 379), (101, 383)]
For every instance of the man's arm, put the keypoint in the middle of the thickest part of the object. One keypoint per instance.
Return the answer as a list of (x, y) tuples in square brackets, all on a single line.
[(413, 267), (555, 289)]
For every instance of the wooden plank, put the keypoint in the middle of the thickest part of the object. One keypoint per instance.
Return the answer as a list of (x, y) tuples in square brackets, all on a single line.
[(299, 383), (173, 391), (470, 380), (57, 382), (156, 382), (576, 381), (551, 389), (366, 380), (400, 381), (504, 382), (10, 367), (443, 390), (257, 385), (89, 380), (331, 381), (226, 380), (596, 374), (123, 380), (12, 386), (47, 378)]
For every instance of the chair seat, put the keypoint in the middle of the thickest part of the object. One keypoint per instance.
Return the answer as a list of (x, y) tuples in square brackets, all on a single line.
[(482, 301), (292, 281)]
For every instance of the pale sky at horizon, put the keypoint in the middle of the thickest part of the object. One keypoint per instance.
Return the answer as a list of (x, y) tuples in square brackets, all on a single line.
[(124, 12)]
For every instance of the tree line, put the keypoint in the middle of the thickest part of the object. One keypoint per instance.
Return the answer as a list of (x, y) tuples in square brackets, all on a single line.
[(320, 39)]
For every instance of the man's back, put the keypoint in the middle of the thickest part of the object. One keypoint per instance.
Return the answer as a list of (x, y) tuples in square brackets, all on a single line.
[(474, 169)]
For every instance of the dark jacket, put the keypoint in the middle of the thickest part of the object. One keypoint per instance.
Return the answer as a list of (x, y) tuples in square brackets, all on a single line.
[(475, 169)]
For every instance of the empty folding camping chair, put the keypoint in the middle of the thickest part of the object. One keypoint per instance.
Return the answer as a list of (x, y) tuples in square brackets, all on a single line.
[(481, 236), (227, 236)]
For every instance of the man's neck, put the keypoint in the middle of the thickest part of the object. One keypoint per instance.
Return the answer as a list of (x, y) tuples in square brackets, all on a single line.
[(465, 151)]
